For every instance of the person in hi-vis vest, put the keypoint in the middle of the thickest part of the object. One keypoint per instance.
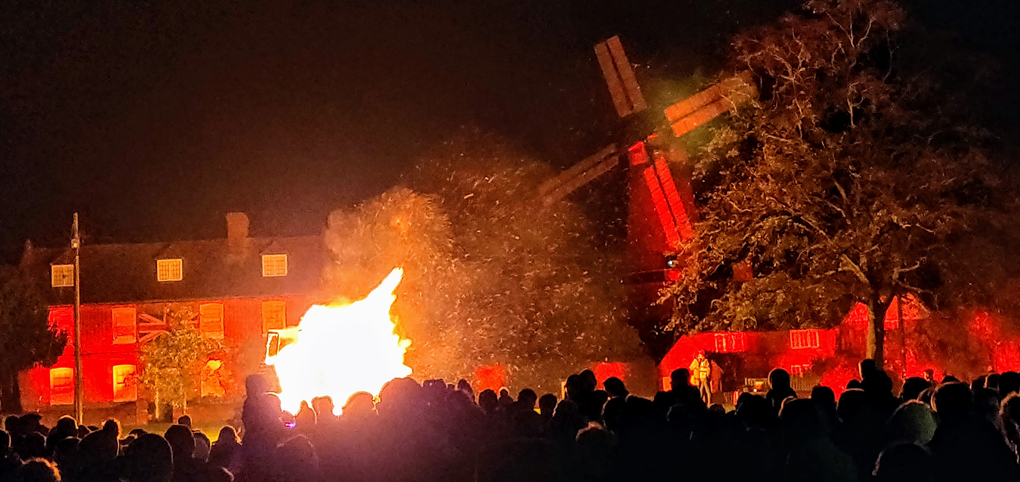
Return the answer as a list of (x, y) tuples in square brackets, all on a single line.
[(701, 372)]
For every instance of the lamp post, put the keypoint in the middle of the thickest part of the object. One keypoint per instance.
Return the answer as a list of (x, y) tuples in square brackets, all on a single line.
[(79, 392)]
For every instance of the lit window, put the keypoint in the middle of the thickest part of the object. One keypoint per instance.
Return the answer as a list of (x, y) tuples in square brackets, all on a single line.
[(61, 386), (124, 387), (61, 275), (729, 343), (210, 317), (274, 265), (803, 339), (169, 269), (124, 325), (274, 315)]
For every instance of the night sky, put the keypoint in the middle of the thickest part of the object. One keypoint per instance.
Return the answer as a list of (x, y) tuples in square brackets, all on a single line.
[(153, 119)]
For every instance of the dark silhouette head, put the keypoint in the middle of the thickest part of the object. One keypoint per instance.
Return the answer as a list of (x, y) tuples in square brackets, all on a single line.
[(149, 459), (526, 399), (952, 401), (66, 426), (615, 387), (1009, 382), (359, 405), (547, 405), (824, 396), (182, 442), (112, 427), (852, 405), (255, 385), (590, 382), (912, 422), (488, 401), (97, 448), (992, 381), (866, 368), (905, 462), (184, 420), (39, 470), (465, 387), (913, 387), (505, 398), (228, 435), (779, 379), (1009, 419), (799, 422), (681, 377), (323, 407)]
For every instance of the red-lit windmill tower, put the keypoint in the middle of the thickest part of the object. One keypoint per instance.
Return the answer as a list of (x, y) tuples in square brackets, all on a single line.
[(661, 208)]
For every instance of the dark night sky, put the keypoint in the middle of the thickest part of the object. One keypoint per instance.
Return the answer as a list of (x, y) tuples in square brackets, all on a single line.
[(154, 118)]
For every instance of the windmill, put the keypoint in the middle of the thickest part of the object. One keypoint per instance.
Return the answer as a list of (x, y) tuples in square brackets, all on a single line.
[(661, 208)]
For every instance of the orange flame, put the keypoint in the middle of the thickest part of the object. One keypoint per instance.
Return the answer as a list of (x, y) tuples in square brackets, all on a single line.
[(343, 349)]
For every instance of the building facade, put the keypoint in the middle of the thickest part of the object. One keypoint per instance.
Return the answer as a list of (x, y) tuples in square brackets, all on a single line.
[(239, 288)]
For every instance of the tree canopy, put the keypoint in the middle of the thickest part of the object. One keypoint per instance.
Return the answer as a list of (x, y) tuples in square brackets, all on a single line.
[(490, 275), (850, 179), (171, 363), (26, 336)]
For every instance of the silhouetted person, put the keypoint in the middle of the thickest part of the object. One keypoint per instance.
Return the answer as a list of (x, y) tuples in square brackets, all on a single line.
[(149, 459), (184, 420), (825, 402), (1009, 421), (202, 446), (65, 427), (547, 405), (39, 470), (912, 388), (305, 418), (866, 368), (296, 461), (182, 443), (226, 451), (904, 462), (812, 456), (9, 461), (615, 388), (1009, 382), (913, 422), (681, 390), (779, 388), (324, 407), (965, 446)]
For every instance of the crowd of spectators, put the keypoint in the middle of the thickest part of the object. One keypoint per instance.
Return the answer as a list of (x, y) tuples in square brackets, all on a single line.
[(946, 431)]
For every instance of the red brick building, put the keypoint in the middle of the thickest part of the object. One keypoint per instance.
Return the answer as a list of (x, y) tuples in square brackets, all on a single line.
[(240, 287)]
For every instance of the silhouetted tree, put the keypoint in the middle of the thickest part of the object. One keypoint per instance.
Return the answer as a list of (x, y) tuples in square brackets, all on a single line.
[(26, 336), (848, 180)]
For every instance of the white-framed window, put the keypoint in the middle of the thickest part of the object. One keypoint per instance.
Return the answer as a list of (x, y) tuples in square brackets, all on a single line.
[(61, 386), (730, 342), (274, 265), (169, 269), (124, 326), (804, 339), (274, 315), (210, 320), (124, 387), (61, 275)]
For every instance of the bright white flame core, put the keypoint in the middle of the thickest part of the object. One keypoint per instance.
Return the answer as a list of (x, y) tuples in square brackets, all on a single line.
[(343, 349)]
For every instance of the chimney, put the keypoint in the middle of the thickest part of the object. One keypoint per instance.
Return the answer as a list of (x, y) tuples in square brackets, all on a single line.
[(237, 229)]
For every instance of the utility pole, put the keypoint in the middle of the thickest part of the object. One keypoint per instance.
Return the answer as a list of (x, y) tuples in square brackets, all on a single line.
[(79, 388)]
